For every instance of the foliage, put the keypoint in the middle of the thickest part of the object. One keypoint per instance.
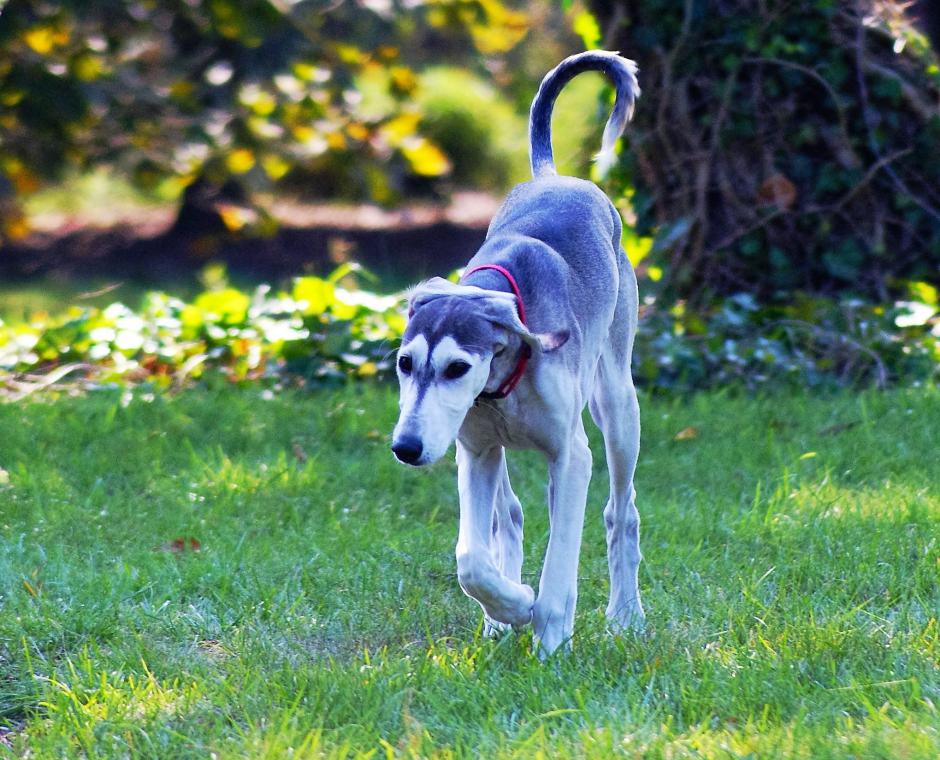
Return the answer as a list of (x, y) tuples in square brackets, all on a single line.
[(319, 331), (322, 333), (780, 148), (789, 579), (269, 93), (812, 342), (484, 138)]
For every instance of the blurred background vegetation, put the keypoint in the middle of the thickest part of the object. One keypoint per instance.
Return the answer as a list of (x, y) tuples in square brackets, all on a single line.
[(780, 184)]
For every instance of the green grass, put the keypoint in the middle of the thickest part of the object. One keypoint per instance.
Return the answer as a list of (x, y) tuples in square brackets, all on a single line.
[(21, 300), (790, 583)]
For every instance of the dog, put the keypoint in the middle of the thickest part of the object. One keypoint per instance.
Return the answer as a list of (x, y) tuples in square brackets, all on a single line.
[(541, 324)]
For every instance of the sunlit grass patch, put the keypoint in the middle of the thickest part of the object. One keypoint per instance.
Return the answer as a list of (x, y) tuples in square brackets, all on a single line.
[(233, 572), (92, 703)]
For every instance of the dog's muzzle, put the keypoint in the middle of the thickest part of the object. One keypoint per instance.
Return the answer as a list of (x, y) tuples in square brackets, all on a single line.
[(407, 449)]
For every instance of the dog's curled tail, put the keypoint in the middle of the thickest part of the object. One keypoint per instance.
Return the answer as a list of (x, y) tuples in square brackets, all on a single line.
[(620, 71)]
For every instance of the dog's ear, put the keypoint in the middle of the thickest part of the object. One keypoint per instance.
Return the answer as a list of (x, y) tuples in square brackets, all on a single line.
[(501, 309), (420, 294)]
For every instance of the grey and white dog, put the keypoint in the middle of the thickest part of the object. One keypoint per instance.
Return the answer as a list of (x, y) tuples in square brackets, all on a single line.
[(541, 324)]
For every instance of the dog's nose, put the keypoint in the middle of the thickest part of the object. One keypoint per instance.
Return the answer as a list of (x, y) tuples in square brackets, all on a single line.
[(408, 449)]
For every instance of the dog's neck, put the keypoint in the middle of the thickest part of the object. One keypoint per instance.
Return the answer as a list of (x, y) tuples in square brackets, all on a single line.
[(506, 368), (488, 279)]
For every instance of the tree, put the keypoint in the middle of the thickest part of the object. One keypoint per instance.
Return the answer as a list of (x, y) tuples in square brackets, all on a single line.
[(782, 146), (265, 92)]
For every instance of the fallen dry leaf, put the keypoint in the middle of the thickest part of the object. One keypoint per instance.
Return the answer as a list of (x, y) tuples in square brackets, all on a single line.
[(777, 191), (686, 434), (178, 545), (299, 454), (213, 648), (839, 428)]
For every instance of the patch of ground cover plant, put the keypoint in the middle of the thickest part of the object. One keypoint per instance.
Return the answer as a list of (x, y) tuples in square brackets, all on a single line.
[(321, 333), (233, 572)]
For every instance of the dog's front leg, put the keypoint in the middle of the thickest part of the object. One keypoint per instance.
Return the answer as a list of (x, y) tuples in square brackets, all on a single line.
[(479, 476), (570, 474), (506, 543)]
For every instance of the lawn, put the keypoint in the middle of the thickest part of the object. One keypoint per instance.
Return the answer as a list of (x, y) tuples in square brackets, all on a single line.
[(224, 572)]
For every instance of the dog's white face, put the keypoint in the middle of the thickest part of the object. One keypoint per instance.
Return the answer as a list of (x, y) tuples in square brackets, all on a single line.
[(457, 337), (438, 385)]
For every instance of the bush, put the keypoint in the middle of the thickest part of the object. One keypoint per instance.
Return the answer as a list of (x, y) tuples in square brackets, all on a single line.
[(482, 135), (790, 147), (320, 333)]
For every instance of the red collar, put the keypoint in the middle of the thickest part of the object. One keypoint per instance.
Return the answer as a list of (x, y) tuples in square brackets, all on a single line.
[(512, 380)]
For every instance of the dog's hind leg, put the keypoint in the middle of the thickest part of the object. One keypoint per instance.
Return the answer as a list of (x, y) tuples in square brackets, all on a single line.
[(480, 567), (506, 541), (615, 409)]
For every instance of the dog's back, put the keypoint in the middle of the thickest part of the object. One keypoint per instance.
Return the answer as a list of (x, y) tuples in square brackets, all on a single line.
[(573, 218)]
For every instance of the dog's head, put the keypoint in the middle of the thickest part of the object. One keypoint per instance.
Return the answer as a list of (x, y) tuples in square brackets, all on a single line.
[(460, 340)]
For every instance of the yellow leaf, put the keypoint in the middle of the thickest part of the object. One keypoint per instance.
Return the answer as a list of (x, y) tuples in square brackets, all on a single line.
[(24, 181), (637, 248), (240, 161), (403, 126), (654, 273), (351, 55), (30, 589), (275, 166), (686, 434), (924, 292), (264, 106), (501, 31), (11, 97), (87, 67), (16, 227), (403, 79), (807, 455), (357, 131), (425, 158), (42, 39), (367, 369), (316, 293), (190, 319), (228, 305), (302, 132), (182, 89), (396, 323), (235, 217)]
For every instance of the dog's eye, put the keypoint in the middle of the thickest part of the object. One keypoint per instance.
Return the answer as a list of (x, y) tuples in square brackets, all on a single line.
[(456, 369), (404, 364)]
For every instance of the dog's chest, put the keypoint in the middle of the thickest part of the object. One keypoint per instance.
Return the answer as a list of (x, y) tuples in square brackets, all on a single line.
[(487, 424)]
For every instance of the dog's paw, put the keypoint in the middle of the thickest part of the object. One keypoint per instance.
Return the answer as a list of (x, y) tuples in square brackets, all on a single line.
[(512, 609), (528, 606), (629, 617), (552, 628), (550, 640), (493, 629)]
